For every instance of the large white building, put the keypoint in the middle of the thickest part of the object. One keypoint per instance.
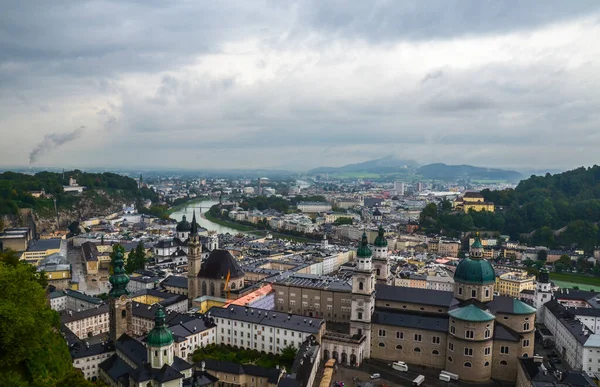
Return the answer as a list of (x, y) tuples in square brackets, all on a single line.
[(263, 330), (314, 207)]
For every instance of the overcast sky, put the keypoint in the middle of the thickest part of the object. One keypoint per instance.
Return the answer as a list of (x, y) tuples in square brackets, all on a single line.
[(299, 84)]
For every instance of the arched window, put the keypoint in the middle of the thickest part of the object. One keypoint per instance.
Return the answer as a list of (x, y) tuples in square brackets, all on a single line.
[(473, 293), (487, 292), (450, 359), (212, 288), (399, 347), (417, 350), (155, 353), (469, 334), (460, 290), (233, 286), (487, 333), (204, 288), (452, 329), (467, 364), (361, 286), (382, 345), (165, 352), (435, 352), (525, 355), (503, 363), (526, 326), (378, 272), (486, 364), (123, 313)]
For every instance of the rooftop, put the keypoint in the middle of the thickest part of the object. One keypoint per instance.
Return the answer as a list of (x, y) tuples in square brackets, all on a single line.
[(413, 295), (409, 320), (268, 318)]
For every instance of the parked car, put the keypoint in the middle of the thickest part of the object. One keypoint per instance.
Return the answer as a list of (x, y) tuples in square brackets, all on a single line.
[(375, 376)]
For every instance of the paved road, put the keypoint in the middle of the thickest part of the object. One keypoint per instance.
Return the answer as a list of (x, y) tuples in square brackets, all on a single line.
[(395, 378), (86, 284)]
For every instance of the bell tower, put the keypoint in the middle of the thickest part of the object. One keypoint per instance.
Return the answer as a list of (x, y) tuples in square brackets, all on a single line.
[(380, 258), (194, 260), (120, 312), (363, 296), (542, 293), (160, 341)]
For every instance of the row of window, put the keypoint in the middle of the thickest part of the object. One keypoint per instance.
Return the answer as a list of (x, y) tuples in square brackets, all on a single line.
[(474, 292), (470, 334)]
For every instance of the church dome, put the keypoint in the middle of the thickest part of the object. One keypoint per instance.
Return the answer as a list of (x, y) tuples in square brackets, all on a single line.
[(160, 335), (363, 250), (184, 225), (380, 241), (219, 264), (475, 271)]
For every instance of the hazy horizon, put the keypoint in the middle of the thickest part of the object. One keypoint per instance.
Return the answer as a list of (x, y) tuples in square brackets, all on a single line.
[(298, 85)]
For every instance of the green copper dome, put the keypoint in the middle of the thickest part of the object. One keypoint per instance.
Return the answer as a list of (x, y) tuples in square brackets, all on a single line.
[(519, 307), (118, 279), (475, 271), (363, 248), (380, 241), (160, 335), (477, 243), (471, 313)]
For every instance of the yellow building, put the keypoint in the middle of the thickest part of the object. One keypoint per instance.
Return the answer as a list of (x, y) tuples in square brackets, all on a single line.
[(513, 283), (204, 303), (472, 201), (40, 249)]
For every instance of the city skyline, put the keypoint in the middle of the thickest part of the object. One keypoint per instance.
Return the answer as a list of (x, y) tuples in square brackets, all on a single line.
[(301, 85)]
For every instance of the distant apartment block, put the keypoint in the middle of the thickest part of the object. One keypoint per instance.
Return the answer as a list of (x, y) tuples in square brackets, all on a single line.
[(314, 207)]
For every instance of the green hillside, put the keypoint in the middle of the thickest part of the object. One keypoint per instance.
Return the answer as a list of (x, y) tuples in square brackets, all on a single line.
[(16, 188), (560, 210)]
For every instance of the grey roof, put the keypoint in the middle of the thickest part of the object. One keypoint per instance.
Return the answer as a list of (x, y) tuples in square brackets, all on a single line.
[(219, 264), (44, 244), (413, 295), (54, 295), (133, 349), (540, 378), (566, 318), (83, 297), (80, 350), (314, 281), (410, 320), (145, 372), (305, 359), (268, 318), (271, 374), (66, 317), (176, 282), (504, 333), (89, 251), (115, 367)]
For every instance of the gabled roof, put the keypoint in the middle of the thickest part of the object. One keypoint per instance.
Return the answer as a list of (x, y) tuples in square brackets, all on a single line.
[(509, 305), (219, 264)]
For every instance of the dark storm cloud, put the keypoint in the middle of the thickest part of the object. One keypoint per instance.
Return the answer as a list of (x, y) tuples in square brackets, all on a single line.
[(384, 20)]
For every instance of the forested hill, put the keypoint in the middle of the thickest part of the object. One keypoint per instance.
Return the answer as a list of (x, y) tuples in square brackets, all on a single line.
[(103, 188), (568, 201)]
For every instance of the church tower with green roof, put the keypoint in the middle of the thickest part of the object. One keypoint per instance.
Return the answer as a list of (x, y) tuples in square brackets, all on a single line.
[(380, 258), (363, 296), (160, 341), (120, 308)]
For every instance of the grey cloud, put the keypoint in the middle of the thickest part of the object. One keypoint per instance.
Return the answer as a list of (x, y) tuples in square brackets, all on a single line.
[(459, 103), (383, 20)]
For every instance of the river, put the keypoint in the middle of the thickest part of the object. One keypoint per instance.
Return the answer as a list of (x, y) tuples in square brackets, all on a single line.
[(202, 206)]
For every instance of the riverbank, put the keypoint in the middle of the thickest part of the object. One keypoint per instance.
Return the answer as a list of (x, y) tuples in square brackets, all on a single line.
[(252, 230), (227, 223), (181, 206)]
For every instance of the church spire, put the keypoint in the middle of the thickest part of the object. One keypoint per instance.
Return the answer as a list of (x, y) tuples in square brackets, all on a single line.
[(194, 230), (476, 251), (118, 279), (363, 248)]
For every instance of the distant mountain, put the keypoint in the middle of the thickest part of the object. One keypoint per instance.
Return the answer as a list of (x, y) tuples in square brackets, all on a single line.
[(450, 172), (388, 164)]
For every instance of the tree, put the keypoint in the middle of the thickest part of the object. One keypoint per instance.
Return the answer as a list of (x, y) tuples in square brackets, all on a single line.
[(559, 267), (33, 352), (542, 255), (565, 260), (344, 220), (288, 354), (136, 259)]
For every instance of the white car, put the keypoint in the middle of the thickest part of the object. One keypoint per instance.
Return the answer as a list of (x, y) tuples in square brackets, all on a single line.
[(375, 376)]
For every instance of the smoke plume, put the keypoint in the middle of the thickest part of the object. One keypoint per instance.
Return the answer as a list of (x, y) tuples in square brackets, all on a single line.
[(52, 141)]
